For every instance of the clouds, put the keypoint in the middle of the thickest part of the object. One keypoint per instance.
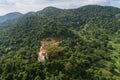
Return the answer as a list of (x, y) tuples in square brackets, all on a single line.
[(24, 6)]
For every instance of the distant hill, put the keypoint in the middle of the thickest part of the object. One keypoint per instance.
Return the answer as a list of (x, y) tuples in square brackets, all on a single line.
[(6, 19)]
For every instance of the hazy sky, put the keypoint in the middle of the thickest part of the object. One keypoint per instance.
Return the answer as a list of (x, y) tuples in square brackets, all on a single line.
[(24, 6)]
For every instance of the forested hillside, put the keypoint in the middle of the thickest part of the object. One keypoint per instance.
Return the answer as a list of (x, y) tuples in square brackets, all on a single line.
[(89, 46), (8, 19)]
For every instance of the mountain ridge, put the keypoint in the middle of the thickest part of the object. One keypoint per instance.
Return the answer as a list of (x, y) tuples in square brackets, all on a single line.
[(3, 19), (8, 18)]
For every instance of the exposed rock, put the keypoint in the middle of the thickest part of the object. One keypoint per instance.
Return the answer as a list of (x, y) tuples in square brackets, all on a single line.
[(42, 54)]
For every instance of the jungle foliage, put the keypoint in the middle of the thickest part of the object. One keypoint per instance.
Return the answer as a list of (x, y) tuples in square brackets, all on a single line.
[(89, 50)]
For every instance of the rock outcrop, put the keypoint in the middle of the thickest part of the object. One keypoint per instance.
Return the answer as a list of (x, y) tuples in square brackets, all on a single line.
[(42, 56)]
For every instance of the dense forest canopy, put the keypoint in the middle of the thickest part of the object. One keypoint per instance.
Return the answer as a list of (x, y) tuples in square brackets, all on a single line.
[(8, 19), (89, 49)]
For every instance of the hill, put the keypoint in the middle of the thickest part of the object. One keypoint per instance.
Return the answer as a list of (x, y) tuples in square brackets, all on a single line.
[(88, 48), (8, 18)]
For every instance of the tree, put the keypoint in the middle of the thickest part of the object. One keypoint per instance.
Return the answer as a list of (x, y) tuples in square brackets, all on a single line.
[(37, 78)]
